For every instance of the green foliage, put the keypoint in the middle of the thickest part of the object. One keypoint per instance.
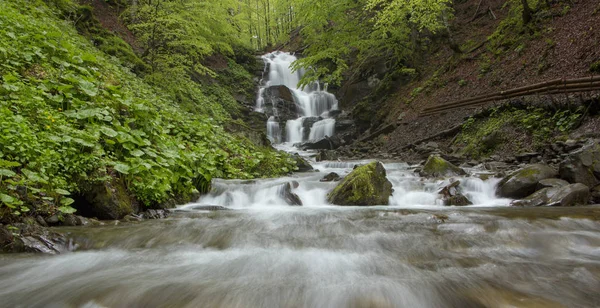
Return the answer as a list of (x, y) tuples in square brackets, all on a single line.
[(339, 31), (538, 123), (70, 114), (595, 67)]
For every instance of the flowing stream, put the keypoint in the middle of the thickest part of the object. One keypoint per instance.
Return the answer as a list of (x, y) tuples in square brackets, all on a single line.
[(263, 252)]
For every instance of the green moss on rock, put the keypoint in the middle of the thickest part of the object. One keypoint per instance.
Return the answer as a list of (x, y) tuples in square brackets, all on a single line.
[(439, 167), (366, 185), (105, 200)]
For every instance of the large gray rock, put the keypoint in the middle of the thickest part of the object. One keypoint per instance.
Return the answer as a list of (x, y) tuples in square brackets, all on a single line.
[(538, 198), (571, 195), (524, 182), (365, 185), (439, 167), (582, 166)]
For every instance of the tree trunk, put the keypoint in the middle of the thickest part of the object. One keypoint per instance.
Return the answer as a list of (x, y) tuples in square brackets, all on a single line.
[(526, 12)]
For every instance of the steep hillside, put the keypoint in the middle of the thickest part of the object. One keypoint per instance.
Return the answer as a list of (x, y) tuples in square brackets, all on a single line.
[(80, 128), (496, 52)]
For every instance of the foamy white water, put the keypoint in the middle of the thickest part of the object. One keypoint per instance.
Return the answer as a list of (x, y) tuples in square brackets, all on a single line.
[(410, 190)]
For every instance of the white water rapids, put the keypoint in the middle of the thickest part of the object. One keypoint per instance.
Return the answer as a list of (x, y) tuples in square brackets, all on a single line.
[(410, 191)]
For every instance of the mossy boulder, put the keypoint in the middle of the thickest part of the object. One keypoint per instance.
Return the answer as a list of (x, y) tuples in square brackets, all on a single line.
[(439, 167), (582, 166), (524, 182), (365, 185), (107, 200)]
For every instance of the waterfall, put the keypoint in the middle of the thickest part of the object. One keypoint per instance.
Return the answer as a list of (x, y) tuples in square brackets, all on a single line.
[(322, 128), (311, 101)]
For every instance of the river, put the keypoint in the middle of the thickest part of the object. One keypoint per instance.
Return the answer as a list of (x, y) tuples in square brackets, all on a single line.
[(262, 252)]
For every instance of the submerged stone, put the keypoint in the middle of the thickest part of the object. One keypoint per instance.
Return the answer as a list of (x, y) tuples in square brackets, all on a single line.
[(331, 177), (365, 185)]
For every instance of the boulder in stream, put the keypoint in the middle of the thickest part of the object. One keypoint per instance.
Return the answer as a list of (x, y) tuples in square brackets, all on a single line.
[(568, 195), (286, 193), (524, 182), (571, 195), (365, 185), (331, 177), (538, 198), (451, 195), (435, 166)]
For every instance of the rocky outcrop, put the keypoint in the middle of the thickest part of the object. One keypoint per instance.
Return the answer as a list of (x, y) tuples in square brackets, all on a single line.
[(107, 200), (365, 185), (29, 236), (524, 182), (279, 103), (451, 195), (582, 166), (439, 167), (326, 155)]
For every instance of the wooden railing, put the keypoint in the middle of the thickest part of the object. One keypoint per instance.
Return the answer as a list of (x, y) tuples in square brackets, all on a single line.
[(586, 84)]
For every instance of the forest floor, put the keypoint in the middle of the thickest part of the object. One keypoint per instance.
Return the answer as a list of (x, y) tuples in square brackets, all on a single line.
[(562, 44)]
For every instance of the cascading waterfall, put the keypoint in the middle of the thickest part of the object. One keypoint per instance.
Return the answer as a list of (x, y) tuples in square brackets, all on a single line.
[(311, 101)]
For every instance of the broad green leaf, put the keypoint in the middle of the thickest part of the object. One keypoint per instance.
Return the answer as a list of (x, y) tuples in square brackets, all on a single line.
[(108, 131), (67, 210), (62, 192), (137, 153), (66, 201), (8, 200), (88, 88), (122, 168), (6, 172)]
